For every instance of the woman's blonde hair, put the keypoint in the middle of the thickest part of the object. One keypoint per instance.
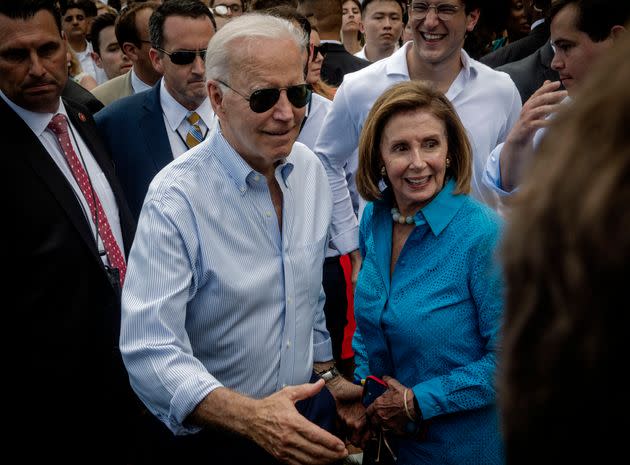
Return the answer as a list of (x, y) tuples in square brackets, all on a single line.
[(407, 97)]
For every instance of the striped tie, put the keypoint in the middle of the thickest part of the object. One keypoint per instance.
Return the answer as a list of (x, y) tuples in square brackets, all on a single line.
[(194, 135)]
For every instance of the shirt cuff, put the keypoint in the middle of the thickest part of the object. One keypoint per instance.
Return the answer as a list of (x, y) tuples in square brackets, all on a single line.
[(186, 398), (346, 242)]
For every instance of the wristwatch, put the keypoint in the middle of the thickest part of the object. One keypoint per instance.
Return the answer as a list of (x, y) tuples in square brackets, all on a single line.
[(329, 374)]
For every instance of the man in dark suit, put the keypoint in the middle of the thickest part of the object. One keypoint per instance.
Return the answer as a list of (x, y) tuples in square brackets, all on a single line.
[(146, 131), (67, 391), (325, 15), (538, 15), (532, 71)]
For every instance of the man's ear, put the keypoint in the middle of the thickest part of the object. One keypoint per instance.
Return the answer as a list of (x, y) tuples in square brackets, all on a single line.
[(130, 50), (97, 59), (361, 27), (617, 32), (156, 60), (471, 19), (215, 94)]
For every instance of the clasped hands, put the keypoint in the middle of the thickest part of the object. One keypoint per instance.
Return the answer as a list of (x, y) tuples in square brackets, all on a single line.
[(386, 413)]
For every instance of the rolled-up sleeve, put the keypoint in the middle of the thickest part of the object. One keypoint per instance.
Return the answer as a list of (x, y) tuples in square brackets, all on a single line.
[(154, 343)]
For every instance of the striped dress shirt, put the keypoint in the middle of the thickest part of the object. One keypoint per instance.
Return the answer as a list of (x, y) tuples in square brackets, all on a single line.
[(215, 294)]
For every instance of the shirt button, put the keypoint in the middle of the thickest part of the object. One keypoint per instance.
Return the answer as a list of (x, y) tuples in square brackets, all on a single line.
[(284, 385), (242, 189), (289, 300), (288, 343), (256, 178), (268, 214)]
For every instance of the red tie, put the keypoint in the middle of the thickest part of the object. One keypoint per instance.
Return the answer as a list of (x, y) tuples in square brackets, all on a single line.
[(59, 127)]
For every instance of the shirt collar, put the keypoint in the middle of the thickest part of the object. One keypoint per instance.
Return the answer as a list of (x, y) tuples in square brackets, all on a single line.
[(441, 210), (38, 122), (176, 113), (397, 62), (137, 84), (237, 168)]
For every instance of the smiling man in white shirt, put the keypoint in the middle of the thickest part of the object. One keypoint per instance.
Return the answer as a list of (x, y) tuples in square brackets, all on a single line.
[(487, 102)]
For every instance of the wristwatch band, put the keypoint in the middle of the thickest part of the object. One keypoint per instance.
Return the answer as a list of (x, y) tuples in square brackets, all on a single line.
[(329, 374)]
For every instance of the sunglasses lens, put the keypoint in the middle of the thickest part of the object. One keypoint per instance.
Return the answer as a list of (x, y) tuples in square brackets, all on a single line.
[(263, 99), (299, 95), (186, 57)]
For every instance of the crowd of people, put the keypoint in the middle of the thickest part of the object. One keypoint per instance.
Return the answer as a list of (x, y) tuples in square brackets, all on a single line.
[(231, 221)]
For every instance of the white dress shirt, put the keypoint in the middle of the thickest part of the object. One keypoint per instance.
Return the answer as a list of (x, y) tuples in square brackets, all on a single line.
[(175, 119), (487, 102), (137, 84)]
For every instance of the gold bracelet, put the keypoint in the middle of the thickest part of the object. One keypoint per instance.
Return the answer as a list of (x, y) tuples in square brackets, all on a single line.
[(407, 408)]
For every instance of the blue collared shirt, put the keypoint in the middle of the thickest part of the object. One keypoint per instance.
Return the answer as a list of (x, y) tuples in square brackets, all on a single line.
[(434, 324), (215, 294)]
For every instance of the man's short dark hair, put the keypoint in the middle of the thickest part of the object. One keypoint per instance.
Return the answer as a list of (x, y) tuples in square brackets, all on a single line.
[(259, 5), (596, 17), (126, 29), (188, 8), (100, 23), (26, 9), (86, 6), (364, 5)]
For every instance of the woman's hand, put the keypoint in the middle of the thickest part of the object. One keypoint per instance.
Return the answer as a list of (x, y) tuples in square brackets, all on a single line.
[(388, 410)]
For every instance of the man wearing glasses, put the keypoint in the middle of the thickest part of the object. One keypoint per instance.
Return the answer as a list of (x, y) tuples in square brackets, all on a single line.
[(223, 324), (225, 10), (148, 130), (487, 102)]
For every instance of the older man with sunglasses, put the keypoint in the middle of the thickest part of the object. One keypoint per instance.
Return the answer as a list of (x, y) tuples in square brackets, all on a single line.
[(223, 331), (146, 131)]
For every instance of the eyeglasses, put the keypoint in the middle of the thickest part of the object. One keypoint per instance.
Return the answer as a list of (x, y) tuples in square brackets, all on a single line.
[(314, 51), (223, 10), (444, 11), (262, 100), (184, 57)]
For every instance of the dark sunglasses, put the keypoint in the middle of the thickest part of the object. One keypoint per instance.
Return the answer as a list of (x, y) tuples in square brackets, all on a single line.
[(315, 49), (184, 57), (262, 100)]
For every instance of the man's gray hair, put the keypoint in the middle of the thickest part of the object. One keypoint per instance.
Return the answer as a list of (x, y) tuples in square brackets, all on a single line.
[(247, 29)]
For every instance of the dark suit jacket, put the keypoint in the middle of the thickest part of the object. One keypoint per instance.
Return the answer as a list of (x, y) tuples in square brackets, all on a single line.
[(338, 62), (75, 92), (66, 389), (531, 72), (519, 49), (134, 132)]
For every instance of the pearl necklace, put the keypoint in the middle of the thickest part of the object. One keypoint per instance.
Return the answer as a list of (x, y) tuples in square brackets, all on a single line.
[(398, 218)]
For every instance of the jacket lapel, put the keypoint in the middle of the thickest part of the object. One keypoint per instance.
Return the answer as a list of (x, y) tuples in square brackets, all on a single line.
[(154, 131)]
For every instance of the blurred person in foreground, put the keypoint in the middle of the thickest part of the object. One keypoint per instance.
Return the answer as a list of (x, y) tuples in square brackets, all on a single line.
[(222, 325), (428, 300), (567, 262)]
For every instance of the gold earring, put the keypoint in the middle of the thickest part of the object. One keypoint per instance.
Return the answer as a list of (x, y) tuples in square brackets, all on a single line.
[(383, 171), (448, 162)]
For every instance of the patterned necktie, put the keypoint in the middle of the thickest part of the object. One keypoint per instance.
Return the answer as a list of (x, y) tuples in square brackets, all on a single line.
[(59, 127), (194, 135)]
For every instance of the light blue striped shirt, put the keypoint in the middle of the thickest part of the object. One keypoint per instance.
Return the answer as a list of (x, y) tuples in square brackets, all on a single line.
[(215, 295)]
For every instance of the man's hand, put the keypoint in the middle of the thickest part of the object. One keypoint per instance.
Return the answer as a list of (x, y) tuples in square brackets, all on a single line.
[(518, 149), (283, 432)]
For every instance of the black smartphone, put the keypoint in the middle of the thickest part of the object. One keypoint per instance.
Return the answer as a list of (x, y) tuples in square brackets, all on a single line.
[(372, 388)]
